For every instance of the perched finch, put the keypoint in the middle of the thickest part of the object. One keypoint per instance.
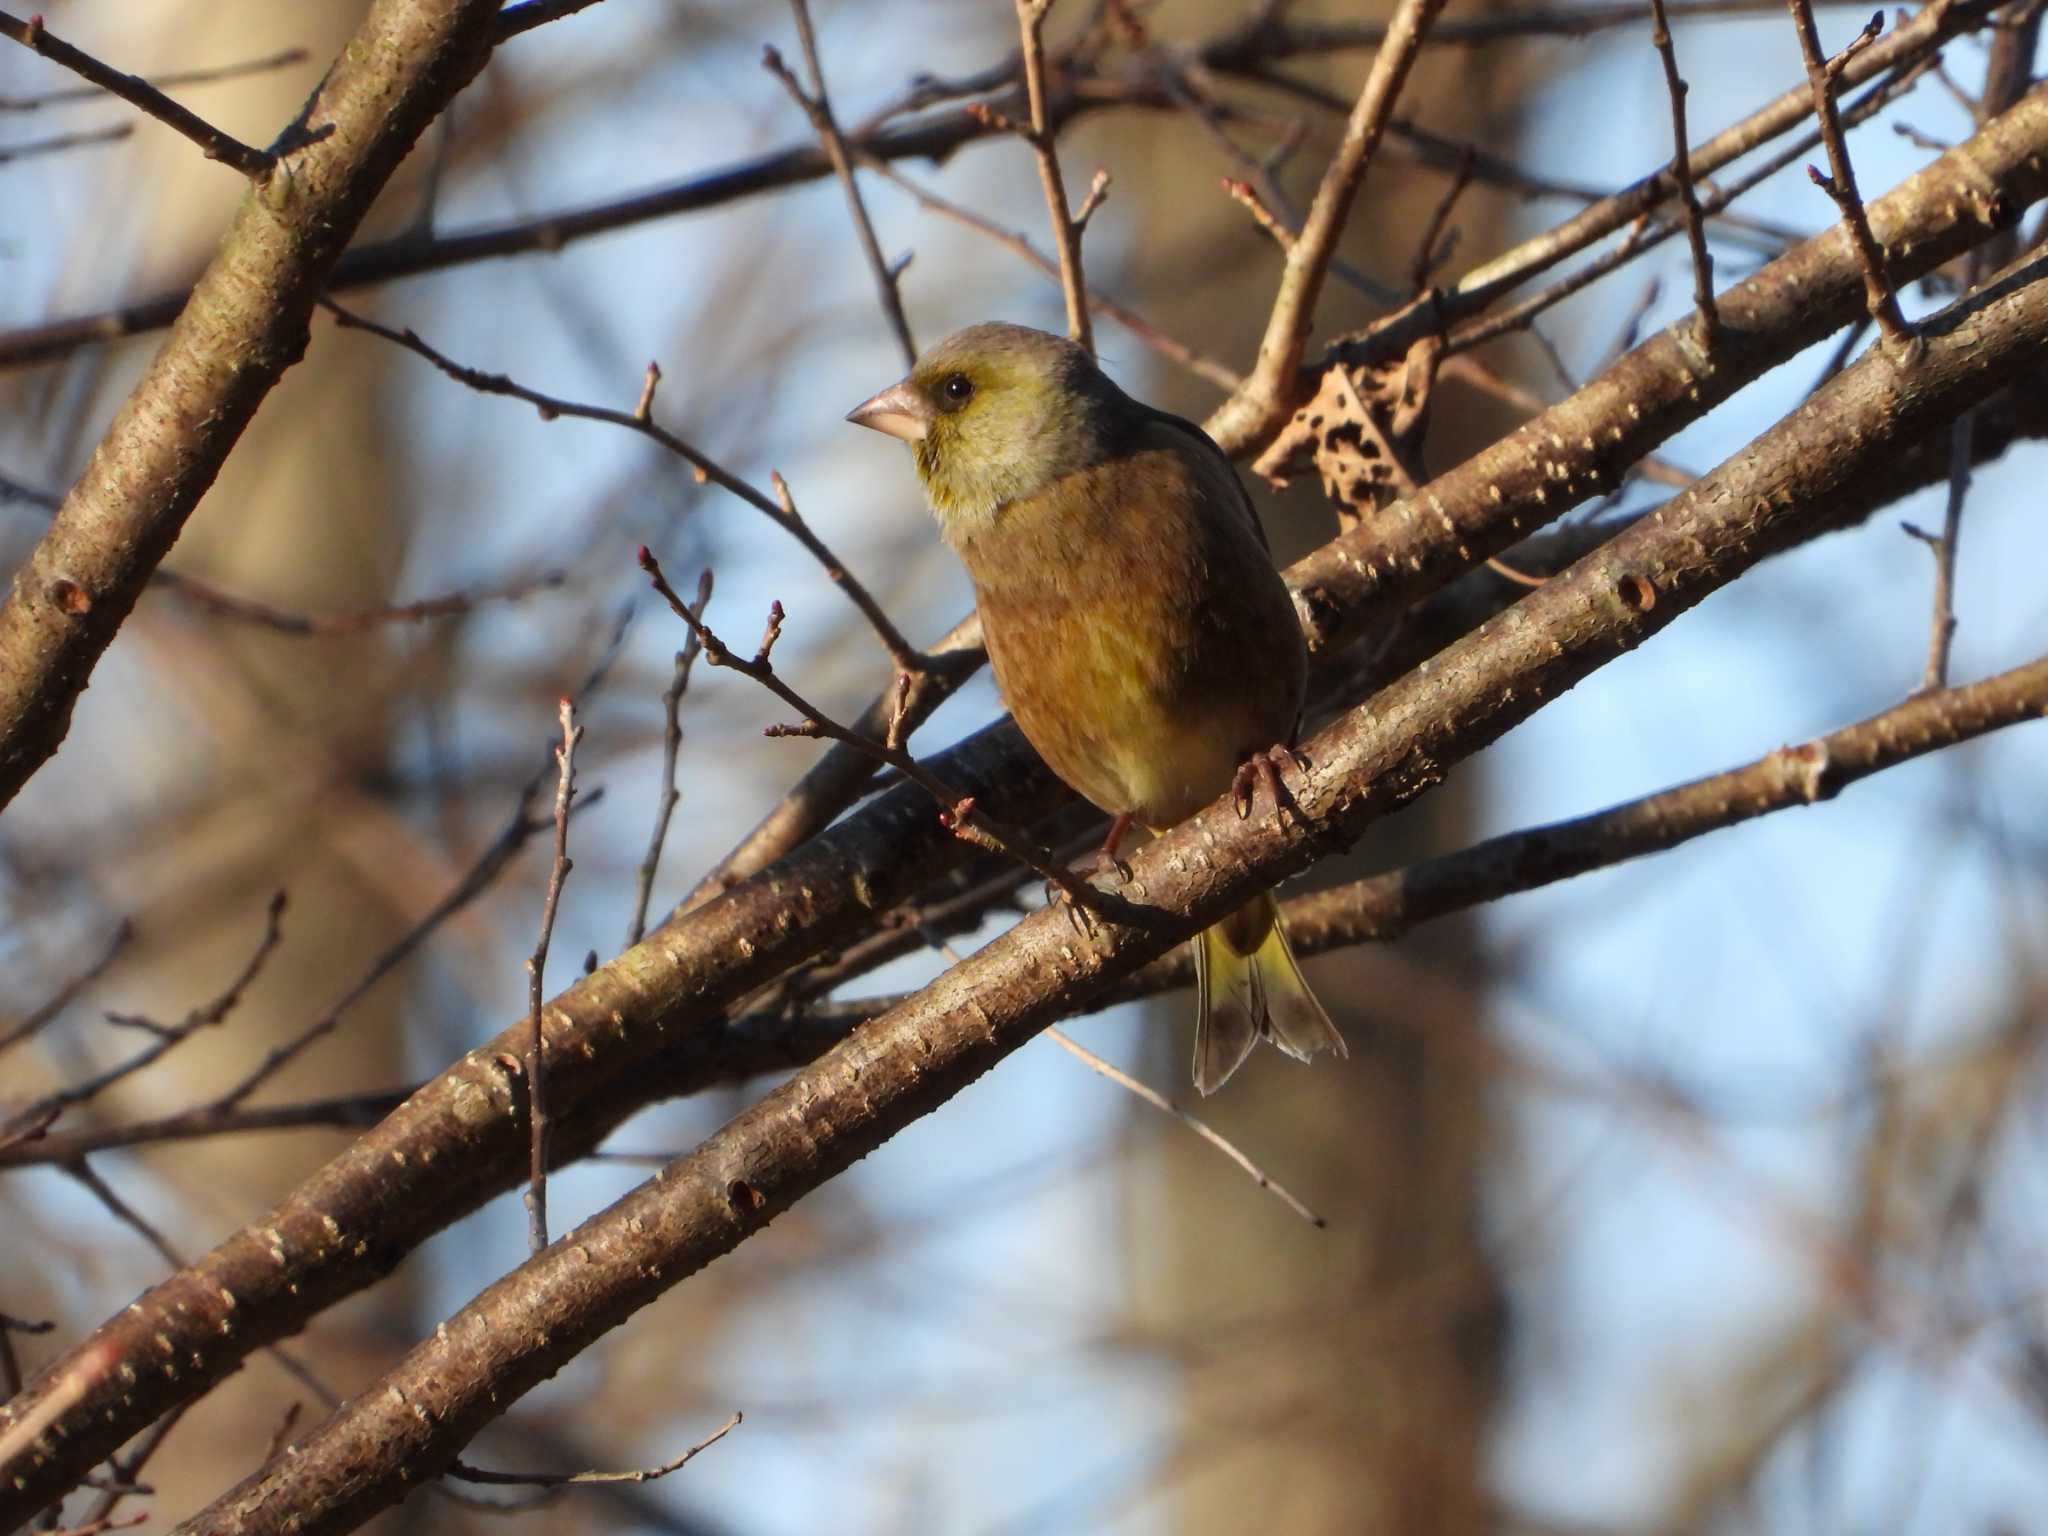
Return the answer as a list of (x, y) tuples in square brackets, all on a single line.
[(1138, 630)]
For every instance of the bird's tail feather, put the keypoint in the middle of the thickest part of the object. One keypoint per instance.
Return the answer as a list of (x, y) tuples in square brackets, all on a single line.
[(1247, 985)]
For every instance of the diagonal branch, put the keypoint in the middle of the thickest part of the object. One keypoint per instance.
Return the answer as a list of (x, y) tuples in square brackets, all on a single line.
[(456, 1141), (138, 92), (1257, 409), (247, 322), (817, 106), (1066, 227), (1681, 171), (1823, 464), (1241, 52), (1821, 74)]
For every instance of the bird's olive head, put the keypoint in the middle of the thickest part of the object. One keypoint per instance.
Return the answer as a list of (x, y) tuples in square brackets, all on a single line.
[(995, 413)]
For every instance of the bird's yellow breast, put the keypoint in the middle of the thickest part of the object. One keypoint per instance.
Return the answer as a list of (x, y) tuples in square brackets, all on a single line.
[(1138, 630)]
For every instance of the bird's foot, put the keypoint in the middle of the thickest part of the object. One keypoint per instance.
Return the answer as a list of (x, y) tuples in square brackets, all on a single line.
[(1065, 893), (1106, 861), (1264, 768)]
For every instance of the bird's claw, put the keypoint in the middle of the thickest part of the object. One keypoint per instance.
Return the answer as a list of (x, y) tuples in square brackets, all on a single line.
[(1264, 768), (1078, 914)]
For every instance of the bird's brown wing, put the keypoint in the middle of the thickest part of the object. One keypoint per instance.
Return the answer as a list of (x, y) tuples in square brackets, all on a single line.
[(1210, 462)]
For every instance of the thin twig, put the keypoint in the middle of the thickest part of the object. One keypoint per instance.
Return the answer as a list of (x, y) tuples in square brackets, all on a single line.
[(352, 622), (1161, 1102), (1681, 171), (1643, 236), (492, 862), (63, 997), (781, 510), (1168, 347), (57, 144), (1231, 53), (1152, 1096), (1821, 76), (1262, 213), (1941, 633), (43, 1111), (468, 1474), (2007, 74), (817, 106), (209, 76), (286, 621), (671, 748), (1268, 394), (138, 92), (958, 812), (1066, 231), (1435, 246), (536, 997)]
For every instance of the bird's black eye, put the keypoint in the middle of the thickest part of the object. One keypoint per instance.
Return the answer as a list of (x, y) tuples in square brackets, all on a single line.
[(957, 389)]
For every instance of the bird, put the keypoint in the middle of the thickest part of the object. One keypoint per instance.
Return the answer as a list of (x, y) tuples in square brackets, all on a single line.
[(1139, 633)]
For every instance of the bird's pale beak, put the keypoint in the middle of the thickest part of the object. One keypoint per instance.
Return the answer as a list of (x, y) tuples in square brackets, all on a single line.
[(900, 410)]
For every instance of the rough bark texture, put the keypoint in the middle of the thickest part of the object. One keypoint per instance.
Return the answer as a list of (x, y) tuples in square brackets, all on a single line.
[(457, 1141), (1828, 462), (246, 322)]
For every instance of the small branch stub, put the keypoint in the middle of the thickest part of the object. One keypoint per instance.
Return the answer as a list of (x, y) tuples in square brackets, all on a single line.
[(1681, 171), (1822, 74)]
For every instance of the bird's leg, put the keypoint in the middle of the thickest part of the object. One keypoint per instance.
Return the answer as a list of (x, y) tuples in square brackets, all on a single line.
[(1264, 768), (1105, 856)]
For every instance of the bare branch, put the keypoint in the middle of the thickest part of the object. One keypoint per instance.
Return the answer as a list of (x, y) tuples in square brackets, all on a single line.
[(536, 974), (1066, 228), (1262, 215), (1681, 172), (1257, 410), (957, 809), (817, 106), (1168, 347), (40, 1016), (1821, 74), (247, 322), (287, 621), (782, 510), (1581, 446), (900, 1066), (44, 1111), (494, 860), (58, 144), (732, 945), (211, 75), (1164, 1105), (1245, 52), (139, 93), (1389, 338), (671, 748), (469, 1474)]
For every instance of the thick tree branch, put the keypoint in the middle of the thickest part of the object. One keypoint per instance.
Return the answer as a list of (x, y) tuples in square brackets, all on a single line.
[(457, 1140), (1582, 446), (246, 323), (1389, 338), (1821, 466)]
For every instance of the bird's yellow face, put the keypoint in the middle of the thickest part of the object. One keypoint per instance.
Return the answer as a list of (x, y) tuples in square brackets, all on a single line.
[(996, 413)]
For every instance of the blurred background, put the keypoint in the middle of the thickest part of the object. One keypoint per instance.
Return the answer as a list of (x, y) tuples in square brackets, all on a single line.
[(1704, 1193)]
